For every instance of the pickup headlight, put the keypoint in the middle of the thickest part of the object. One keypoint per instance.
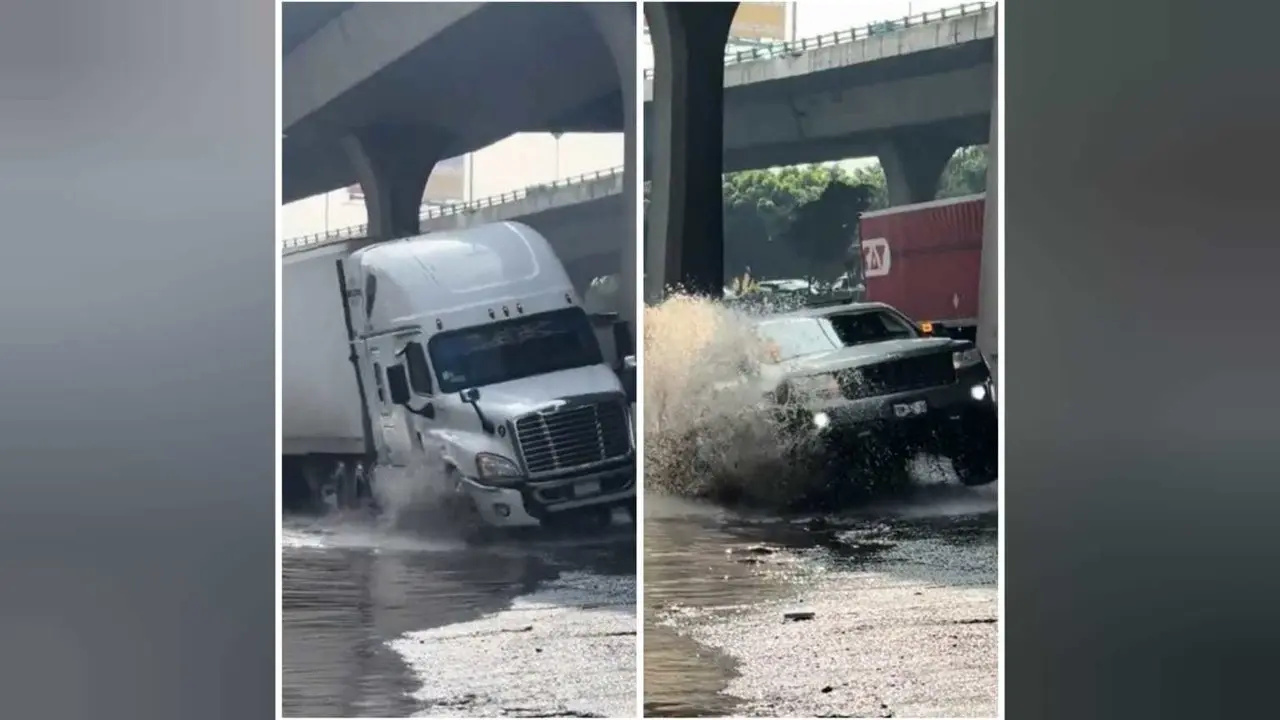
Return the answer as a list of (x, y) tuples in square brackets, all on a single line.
[(818, 387), (497, 470), (966, 358)]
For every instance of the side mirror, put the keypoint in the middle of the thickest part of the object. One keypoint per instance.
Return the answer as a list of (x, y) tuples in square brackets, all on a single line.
[(471, 396), (398, 383), (627, 375), (623, 341)]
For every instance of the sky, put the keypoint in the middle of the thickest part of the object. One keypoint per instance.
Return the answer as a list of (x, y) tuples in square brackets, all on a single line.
[(815, 17)]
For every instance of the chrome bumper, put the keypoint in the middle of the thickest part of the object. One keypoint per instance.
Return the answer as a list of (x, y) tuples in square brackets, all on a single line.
[(526, 504)]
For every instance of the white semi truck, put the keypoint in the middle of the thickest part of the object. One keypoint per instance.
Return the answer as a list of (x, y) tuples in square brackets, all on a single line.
[(462, 357)]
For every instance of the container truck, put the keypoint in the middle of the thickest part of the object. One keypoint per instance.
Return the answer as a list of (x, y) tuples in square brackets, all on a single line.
[(464, 358), (925, 260)]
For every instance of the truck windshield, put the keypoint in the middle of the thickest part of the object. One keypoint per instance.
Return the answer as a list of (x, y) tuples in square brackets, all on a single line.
[(514, 349), (794, 337), (870, 326)]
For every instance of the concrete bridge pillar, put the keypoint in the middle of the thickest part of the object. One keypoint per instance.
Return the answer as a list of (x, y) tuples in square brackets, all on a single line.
[(989, 275), (913, 164), (392, 164), (617, 25), (685, 241)]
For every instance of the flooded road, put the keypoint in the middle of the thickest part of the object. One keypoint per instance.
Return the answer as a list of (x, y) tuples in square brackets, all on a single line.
[(381, 624), (894, 610)]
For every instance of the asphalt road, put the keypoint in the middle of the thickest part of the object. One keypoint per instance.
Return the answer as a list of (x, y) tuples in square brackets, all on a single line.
[(897, 603), (381, 624)]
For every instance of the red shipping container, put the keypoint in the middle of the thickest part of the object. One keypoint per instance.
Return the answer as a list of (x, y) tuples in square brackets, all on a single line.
[(925, 259)]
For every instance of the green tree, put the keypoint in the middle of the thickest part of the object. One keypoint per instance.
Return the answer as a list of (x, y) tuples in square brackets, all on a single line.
[(965, 173), (822, 230), (758, 208), (761, 206), (872, 177)]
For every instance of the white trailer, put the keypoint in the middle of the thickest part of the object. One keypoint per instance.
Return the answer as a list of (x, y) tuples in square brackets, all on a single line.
[(326, 440), (321, 407)]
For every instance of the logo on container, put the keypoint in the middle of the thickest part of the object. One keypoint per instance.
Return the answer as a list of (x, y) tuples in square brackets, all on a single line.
[(876, 257)]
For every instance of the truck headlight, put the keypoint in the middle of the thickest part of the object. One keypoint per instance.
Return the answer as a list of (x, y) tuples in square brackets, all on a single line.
[(966, 358), (497, 470)]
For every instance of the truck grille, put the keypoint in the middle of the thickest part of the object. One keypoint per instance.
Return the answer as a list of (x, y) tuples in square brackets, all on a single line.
[(573, 436), (896, 376)]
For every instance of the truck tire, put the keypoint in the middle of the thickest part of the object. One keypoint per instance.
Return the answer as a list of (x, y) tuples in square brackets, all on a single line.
[(348, 489)]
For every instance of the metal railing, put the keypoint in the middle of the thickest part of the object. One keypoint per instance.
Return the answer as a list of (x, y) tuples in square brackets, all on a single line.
[(361, 231), (840, 37)]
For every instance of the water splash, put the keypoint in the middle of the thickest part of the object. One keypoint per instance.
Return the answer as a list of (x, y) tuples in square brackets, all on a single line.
[(420, 497), (708, 431)]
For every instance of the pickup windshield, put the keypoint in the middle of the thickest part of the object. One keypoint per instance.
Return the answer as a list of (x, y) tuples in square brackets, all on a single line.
[(794, 337), (514, 349), (870, 326)]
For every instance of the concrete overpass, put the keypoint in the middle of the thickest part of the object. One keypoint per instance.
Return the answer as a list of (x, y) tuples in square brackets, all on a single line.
[(378, 93), (583, 217), (911, 95), (822, 98)]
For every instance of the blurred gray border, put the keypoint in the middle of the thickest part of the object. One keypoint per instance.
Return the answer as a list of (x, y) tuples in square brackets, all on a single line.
[(137, 400), (1141, 359)]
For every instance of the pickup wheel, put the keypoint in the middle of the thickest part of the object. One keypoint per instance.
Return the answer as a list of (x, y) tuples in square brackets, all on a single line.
[(892, 474), (976, 467)]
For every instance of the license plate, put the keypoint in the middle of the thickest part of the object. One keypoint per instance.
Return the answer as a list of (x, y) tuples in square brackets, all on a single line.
[(911, 409), (586, 488)]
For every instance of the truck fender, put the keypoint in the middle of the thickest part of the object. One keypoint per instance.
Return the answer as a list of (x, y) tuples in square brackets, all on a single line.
[(450, 459), (452, 475), (454, 455), (458, 448)]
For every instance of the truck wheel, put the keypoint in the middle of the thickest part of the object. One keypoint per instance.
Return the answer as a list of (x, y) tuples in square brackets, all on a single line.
[(364, 489), (348, 490), (976, 467)]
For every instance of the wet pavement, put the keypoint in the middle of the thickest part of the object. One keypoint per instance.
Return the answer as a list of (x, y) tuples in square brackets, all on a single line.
[(382, 624), (902, 598)]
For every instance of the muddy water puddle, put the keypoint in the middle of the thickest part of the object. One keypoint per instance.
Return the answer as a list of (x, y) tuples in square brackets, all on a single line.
[(379, 624), (719, 587)]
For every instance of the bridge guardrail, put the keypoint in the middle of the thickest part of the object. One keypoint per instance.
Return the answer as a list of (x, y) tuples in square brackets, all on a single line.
[(840, 37), (360, 231)]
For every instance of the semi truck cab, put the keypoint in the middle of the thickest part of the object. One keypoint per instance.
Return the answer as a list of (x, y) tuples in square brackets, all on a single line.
[(481, 370)]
